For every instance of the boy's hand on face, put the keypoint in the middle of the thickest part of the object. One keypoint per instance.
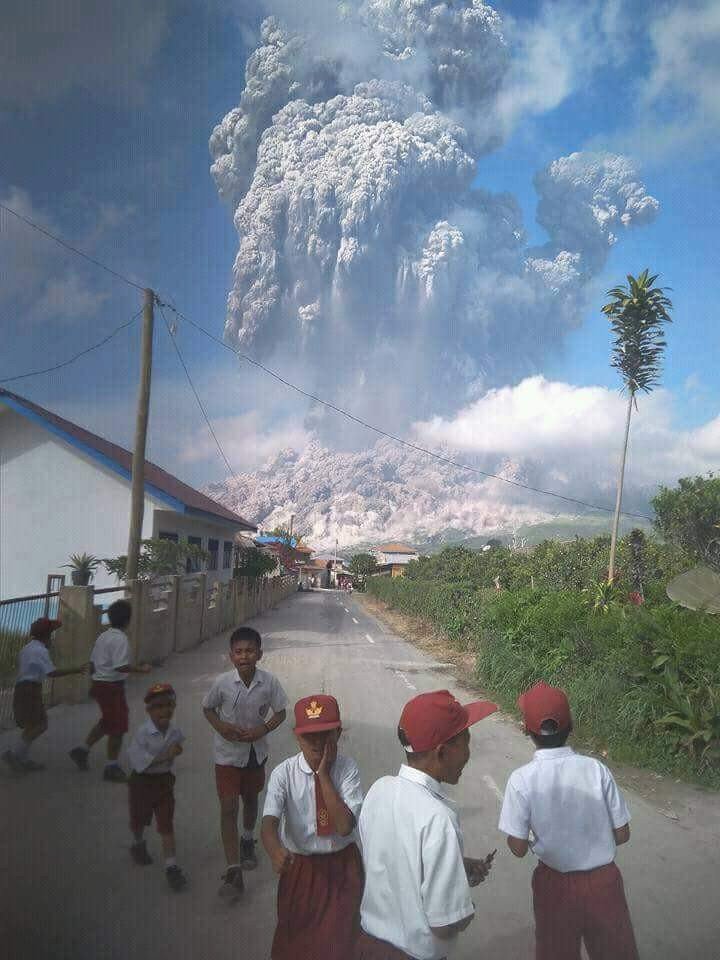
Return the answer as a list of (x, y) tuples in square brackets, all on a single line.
[(281, 860), (328, 758)]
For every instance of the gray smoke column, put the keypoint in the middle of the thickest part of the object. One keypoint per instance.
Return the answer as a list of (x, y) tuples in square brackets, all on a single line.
[(366, 246)]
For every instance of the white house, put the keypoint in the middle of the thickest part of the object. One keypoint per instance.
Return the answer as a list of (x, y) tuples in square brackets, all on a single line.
[(397, 554), (64, 490)]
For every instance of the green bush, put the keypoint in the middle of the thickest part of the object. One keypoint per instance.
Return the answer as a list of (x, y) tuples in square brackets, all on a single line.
[(665, 715)]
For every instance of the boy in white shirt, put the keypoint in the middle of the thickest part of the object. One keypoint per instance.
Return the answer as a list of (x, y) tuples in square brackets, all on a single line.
[(110, 661), (34, 665), (238, 706), (417, 881), (151, 754), (308, 831), (577, 817)]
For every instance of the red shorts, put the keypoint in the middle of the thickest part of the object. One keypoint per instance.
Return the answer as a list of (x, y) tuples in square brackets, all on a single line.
[(110, 697), (148, 794), (370, 948), (318, 907), (245, 782), (585, 905), (28, 707)]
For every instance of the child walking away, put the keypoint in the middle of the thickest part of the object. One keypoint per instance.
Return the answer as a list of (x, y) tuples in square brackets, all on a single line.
[(34, 665), (577, 817), (238, 707), (151, 754), (110, 662), (417, 882), (308, 831)]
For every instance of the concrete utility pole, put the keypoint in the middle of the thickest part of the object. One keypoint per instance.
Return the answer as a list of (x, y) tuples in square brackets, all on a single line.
[(292, 518), (137, 494), (335, 562)]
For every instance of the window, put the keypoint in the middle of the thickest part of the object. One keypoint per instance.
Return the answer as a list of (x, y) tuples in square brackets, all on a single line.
[(166, 535), (227, 554), (193, 564), (213, 546)]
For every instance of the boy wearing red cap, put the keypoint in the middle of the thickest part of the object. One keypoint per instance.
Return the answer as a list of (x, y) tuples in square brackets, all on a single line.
[(34, 665), (578, 817), (308, 830), (417, 881), (151, 754)]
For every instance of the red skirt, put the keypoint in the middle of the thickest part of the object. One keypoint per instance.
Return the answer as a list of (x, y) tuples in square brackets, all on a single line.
[(584, 905), (370, 948), (318, 907), (148, 794), (28, 707), (110, 697)]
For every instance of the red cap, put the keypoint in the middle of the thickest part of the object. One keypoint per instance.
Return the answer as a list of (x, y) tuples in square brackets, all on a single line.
[(317, 713), (43, 627), (160, 690), (543, 702), (434, 718)]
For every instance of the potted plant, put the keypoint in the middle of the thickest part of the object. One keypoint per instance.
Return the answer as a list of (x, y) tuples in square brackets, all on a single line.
[(83, 566)]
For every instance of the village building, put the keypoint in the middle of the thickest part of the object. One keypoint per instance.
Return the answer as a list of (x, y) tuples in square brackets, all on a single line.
[(392, 558), (64, 490)]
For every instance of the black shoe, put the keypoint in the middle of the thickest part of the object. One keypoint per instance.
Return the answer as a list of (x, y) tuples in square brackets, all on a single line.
[(114, 774), (80, 756), (139, 853), (233, 884), (176, 878), (15, 763), (248, 858)]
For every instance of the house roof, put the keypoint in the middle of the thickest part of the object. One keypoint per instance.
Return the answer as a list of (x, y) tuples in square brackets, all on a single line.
[(395, 548), (158, 482)]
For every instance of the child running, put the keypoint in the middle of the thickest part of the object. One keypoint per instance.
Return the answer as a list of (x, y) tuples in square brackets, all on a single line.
[(577, 817), (151, 754), (110, 661), (308, 830), (34, 665), (237, 707)]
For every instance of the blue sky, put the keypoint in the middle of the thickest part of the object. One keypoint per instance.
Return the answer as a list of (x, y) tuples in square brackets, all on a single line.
[(111, 151)]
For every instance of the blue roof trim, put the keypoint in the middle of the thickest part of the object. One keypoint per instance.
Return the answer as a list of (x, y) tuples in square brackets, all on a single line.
[(108, 462)]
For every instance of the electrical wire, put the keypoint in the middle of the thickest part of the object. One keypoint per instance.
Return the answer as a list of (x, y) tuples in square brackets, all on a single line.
[(65, 363)]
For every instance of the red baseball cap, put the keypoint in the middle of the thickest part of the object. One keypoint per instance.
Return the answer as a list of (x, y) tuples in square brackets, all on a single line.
[(43, 627), (160, 690), (317, 713), (543, 702), (434, 718)]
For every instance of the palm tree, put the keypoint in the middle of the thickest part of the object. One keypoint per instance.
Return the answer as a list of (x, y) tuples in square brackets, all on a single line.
[(637, 313)]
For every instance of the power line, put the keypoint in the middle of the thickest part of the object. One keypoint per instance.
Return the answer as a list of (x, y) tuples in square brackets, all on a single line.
[(390, 436), (68, 246), (65, 363), (192, 387)]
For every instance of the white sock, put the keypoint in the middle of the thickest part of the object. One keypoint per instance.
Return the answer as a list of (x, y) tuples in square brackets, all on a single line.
[(170, 862), (247, 834), (233, 866), (22, 749)]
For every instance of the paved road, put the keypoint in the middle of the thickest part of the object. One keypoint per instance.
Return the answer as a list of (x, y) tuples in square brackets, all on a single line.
[(70, 892)]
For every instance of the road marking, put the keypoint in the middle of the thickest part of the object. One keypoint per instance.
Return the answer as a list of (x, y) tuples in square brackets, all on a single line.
[(493, 786), (355, 621), (369, 638), (346, 610), (408, 684)]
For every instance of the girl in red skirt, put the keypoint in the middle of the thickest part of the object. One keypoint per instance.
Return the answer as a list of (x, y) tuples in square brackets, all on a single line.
[(308, 830)]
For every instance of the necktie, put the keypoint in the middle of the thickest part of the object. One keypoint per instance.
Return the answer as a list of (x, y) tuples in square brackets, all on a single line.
[(325, 826)]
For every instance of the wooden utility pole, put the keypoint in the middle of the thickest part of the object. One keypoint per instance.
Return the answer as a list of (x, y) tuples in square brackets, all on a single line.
[(137, 494)]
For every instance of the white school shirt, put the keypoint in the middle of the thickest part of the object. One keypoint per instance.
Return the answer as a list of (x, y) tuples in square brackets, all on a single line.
[(415, 878), (148, 742), (111, 651), (245, 707), (571, 803), (291, 798), (34, 662)]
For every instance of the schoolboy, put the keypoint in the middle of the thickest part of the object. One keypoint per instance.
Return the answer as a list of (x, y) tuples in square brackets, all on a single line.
[(110, 663), (34, 665), (417, 881), (238, 707), (577, 817), (308, 830), (151, 754)]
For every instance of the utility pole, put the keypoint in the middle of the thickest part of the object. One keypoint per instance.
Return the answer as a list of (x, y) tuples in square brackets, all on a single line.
[(292, 518), (335, 562), (137, 494)]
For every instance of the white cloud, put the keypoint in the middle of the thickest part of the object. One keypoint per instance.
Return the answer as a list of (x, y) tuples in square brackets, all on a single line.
[(67, 298), (247, 444)]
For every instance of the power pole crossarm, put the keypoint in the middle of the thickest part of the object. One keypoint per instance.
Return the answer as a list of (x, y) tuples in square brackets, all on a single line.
[(137, 491)]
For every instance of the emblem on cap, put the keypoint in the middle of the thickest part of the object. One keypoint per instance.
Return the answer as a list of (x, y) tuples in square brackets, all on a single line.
[(314, 710)]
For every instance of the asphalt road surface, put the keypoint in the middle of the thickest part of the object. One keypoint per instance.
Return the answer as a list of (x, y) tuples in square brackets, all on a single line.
[(69, 890)]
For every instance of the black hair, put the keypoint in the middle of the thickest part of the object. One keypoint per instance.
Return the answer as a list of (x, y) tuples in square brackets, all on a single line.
[(119, 613), (550, 736), (245, 633)]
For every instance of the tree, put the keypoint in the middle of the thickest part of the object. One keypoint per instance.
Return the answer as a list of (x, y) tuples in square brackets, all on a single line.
[(284, 535), (158, 558), (637, 314), (689, 516), (362, 565), (254, 562)]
